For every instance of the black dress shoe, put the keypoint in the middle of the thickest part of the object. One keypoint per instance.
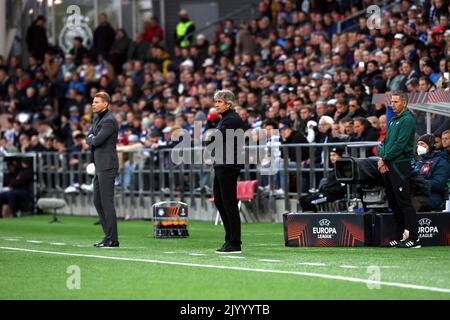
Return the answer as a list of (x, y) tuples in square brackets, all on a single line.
[(108, 244), (229, 249), (99, 243), (223, 246)]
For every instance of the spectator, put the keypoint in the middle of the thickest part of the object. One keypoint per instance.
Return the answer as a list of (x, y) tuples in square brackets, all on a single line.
[(130, 157), (446, 144), (436, 171), (365, 132), (153, 33), (139, 48), (394, 79), (273, 162), (119, 50), (245, 41), (78, 50), (36, 38), (290, 136), (104, 36), (5, 81)]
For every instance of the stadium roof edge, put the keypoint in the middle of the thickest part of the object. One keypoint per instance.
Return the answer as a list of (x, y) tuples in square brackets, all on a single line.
[(442, 108)]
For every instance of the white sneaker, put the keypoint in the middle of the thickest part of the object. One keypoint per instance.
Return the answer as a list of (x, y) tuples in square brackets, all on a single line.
[(278, 192), (264, 189), (71, 189), (165, 190), (87, 187)]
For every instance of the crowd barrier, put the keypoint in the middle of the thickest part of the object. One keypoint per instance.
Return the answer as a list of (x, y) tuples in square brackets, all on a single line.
[(148, 176)]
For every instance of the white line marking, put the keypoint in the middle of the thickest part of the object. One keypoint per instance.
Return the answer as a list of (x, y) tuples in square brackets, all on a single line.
[(306, 274), (269, 260), (58, 243), (234, 257), (365, 267), (34, 241), (10, 239), (169, 252), (197, 254), (316, 264)]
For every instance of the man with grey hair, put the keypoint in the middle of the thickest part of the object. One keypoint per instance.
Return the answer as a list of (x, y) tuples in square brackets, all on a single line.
[(226, 173)]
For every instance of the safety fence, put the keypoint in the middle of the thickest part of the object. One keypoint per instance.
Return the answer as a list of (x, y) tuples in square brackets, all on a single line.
[(149, 176)]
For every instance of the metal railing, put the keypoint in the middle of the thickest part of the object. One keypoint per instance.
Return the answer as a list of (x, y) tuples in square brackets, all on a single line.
[(148, 176)]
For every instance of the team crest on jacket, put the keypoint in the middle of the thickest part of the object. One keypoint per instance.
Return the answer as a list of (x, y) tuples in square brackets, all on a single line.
[(425, 168)]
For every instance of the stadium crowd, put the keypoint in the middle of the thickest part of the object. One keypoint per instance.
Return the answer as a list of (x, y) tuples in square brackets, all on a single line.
[(289, 68)]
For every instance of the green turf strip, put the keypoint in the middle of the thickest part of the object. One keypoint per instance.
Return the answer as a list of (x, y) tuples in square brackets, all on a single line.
[(32, 275)]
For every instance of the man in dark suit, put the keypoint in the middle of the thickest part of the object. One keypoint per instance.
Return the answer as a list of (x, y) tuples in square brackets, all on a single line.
[(226, 172), (102, 138)]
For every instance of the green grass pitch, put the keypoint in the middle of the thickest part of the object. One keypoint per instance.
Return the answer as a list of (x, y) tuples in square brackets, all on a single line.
[(36, 259)]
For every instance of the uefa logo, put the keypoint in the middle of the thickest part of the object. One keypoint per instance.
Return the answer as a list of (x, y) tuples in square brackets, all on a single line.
[(324, 223), (426, 229), (325, 231), (425, 222)]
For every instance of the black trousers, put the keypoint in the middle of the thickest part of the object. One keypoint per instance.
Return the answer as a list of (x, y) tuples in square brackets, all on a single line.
[(305, 202), (14, 198), (398, 192), (104, 202), (225, 199)]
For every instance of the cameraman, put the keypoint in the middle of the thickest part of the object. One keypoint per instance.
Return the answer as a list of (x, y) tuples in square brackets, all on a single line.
[(330, 191)]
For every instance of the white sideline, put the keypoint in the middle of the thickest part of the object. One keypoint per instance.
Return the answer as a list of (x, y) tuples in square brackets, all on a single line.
[(269, 260), (316, 264), (306, 274)]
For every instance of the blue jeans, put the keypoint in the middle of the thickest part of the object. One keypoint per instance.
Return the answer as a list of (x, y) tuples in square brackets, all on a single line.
[(278, 173)]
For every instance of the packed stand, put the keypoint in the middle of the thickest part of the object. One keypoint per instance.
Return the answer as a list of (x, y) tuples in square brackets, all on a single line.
[(289, 68)]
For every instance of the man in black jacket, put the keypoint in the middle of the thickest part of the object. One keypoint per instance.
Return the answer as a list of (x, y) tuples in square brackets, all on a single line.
[(36, 39), (289, 136), (102, 139), (330, 191), (19, 180), (104, 36), (365, 132), (226, 171)]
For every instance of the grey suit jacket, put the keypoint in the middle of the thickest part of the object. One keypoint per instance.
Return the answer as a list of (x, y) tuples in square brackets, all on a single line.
[(102, 138)]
